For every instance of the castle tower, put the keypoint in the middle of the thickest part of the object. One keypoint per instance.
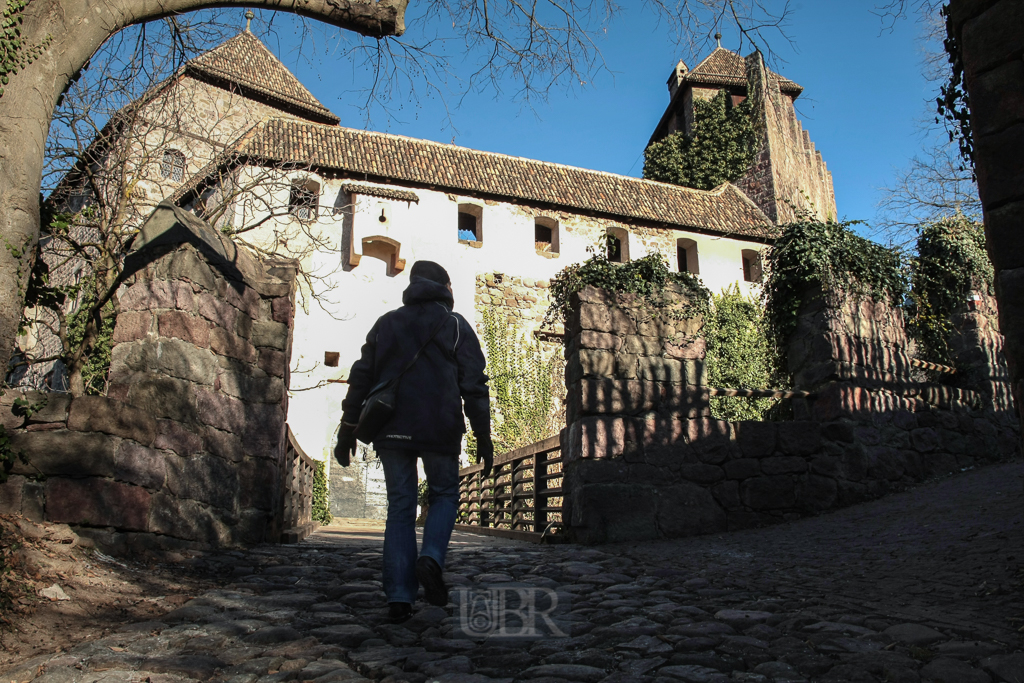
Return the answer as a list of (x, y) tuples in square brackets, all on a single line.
[(788, 174)]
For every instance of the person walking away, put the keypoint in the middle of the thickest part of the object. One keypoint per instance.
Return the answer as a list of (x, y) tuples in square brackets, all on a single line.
[(427, 423)]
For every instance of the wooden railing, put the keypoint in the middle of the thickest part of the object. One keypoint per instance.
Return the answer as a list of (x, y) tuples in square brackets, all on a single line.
[(521, 499), (296, 493)]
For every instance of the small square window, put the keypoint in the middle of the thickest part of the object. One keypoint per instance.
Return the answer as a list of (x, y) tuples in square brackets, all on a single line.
[(545, 236), (467, 227), (304, 200), (331, 358)]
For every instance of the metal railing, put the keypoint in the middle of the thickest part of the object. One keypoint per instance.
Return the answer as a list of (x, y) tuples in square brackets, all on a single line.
[(521, 499)]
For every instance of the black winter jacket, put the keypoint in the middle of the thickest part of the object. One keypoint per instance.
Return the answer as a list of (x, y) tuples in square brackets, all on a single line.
[(450, 370)]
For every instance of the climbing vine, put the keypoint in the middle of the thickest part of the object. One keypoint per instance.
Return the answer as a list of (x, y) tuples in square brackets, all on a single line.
[(953, 103), (14, 53), (951, 262), (811, 252), (97, 362), (524, 385), (321, 501), (645, 276), (720, 148), (740, 355)]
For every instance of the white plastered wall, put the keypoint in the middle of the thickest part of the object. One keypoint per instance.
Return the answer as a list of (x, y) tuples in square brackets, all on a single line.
[(349, 299)]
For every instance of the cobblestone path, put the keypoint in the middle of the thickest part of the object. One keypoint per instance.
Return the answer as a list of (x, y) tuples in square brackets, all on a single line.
[(922, 586)]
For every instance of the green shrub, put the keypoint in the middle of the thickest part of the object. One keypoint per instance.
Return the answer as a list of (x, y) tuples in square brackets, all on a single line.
[(740, 355), (720, 149), (951, 262), (321, 497), (829, 254)]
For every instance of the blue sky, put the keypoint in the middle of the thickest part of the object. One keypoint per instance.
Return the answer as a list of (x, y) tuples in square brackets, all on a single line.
[(863, 93)]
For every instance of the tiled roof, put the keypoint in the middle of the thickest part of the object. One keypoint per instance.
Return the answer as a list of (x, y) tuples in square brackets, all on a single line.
[(725, 67), (381, 157), (245, 61), (382, 192)]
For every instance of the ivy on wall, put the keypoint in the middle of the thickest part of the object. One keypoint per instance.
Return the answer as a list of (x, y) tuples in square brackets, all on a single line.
[(951, 262), (321, 500), (525, 380), (740, 355), (827, 254), (645, 276), (720, 148), (14, 53), (953, 103), (97, 363)]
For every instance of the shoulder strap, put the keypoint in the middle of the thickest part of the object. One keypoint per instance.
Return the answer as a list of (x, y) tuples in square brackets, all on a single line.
[(416, 356)]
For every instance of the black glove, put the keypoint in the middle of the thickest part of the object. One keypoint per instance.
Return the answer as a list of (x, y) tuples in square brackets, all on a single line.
[(346, 446), (485, 453)]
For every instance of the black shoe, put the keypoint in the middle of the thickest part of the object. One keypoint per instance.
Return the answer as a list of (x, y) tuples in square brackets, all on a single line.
[(428, 573), (399, 612)]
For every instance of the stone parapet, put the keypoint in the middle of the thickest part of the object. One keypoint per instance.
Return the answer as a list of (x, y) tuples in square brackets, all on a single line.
[(188, 449)]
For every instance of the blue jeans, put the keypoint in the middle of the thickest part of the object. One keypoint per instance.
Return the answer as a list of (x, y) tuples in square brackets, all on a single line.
[(442, 470)]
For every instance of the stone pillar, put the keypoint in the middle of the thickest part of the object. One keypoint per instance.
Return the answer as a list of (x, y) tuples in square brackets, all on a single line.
[(635, 400), (977, 347), (990, 34)]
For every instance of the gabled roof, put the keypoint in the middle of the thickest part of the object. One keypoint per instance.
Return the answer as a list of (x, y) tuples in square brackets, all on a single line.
[(399, 160), (725, 67), (246, 62)]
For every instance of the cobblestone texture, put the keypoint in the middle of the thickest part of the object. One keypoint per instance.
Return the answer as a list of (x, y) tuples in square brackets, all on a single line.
[(920, 586)]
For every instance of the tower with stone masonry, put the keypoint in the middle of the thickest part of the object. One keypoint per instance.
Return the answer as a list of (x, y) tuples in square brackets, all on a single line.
[(788, 175)]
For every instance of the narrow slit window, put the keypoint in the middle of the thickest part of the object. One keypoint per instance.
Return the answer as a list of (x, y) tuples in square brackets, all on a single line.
[(751, 266), (173, 165), (617, 241)]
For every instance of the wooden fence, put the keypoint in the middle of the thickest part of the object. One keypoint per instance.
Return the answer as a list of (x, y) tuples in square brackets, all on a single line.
[(521, 499), (296, 493)]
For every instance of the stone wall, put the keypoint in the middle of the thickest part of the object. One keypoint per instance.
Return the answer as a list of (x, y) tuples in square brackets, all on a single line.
[(990, 34), (187, 447), (643, 458), (788, 173)]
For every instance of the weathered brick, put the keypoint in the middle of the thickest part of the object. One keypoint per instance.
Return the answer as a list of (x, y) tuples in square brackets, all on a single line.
[(162, 396), (220, 411), (100, 414), (97, 502), (251, 388), (11, 495), (769, 493), (273, 362), (997, 97), (188, 264), (184, 326), (688, 349), (742, 468), (281, 308), (224, 444), (184, 361), (590, 339), (132, 325), (139, 465), (660, 370), (1004, 232), (205, 478), (228, 344), (191, 520), (999, 166), (270, 334), (242, 297), (65, 453), (176, 437), (258, 480), (146, 295), (787, 464), (799, 437), (686, 509), (217, 311), (992, 37), (756, 439)]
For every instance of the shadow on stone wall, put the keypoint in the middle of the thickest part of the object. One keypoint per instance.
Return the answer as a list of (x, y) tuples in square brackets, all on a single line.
[(188, 447), (644, 460)]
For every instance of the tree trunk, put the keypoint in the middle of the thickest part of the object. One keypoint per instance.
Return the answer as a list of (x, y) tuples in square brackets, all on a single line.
[(72, 31)]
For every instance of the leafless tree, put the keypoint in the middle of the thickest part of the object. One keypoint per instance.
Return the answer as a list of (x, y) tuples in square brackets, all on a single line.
[(935, 183), (541, 44)]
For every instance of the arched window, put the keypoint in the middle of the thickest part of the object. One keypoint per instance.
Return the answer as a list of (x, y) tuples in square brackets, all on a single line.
[(686, 255), (617, 245), (173, 165), (471, 224), (545, 235), (751, 265), (305, 199)]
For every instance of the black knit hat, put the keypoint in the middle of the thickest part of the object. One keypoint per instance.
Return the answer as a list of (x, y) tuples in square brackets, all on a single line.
[(430, 271)]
